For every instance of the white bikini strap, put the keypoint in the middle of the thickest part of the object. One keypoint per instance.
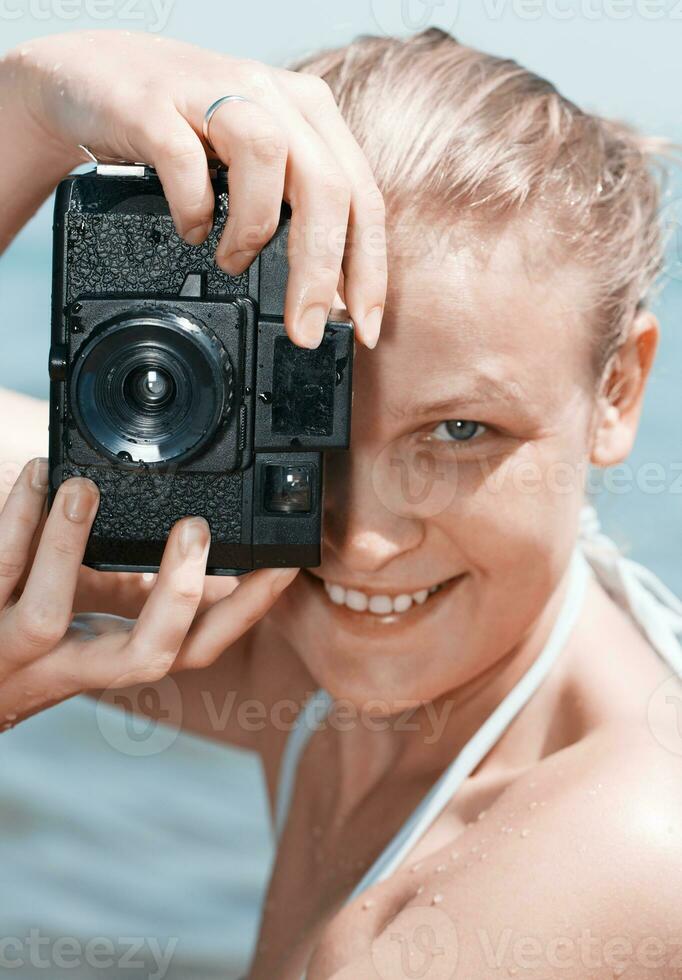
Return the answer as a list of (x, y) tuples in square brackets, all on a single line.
[(309, 719), (652, 606), (487, 735)]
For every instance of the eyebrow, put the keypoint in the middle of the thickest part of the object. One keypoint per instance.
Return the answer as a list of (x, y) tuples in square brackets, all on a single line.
[(484, 390)]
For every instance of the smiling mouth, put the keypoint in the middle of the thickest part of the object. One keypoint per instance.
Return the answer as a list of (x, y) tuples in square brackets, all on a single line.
[(381, 604)]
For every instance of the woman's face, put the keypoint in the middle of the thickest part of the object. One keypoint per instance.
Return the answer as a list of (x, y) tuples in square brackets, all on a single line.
[(470, 437)]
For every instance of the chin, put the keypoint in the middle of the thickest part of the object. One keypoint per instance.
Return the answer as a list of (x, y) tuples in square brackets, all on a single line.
[(393, 659)]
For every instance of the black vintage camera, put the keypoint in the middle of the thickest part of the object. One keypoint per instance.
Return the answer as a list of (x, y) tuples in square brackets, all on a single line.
[(175, 388)]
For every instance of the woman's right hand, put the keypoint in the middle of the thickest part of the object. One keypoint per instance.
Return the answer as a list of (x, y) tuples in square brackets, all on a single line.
[(133, 97), (45, 659)]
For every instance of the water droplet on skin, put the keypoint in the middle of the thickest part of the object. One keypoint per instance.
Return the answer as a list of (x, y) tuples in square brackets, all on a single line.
[(531, 806), (454, 855), (507, 830), (368, 904), (513, 970), (437, 899), (483, 856), (525, 832), (543, 802), (440, 869), (415, 867), (481, 814), (420, 890), (474, 848), (11, 717), (533, 784)]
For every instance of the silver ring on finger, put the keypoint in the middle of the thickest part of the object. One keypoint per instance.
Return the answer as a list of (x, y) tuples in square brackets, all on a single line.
[(211, 111)]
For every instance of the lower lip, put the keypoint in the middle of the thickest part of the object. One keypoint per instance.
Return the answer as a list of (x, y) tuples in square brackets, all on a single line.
[(373, 620)]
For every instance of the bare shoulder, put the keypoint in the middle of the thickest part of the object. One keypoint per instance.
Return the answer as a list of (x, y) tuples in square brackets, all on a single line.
[(573, 872)]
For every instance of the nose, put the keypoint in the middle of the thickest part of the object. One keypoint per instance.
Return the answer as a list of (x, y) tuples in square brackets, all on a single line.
[(360, 529)]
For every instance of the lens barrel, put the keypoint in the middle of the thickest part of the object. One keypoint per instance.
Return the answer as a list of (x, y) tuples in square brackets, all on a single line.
[(151, 387)]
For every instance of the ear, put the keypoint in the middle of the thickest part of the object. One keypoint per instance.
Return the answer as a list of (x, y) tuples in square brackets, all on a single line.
[(622, 393)]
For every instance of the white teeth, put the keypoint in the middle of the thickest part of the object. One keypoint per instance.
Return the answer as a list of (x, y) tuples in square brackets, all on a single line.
[(380, 605), (337, 594), (402, 603), (356, 600)]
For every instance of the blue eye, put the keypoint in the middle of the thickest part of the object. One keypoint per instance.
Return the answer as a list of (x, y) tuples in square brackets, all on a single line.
[(459, 430)]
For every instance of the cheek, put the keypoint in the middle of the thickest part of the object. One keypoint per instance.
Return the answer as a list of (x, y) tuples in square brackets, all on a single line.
[(515, 518)]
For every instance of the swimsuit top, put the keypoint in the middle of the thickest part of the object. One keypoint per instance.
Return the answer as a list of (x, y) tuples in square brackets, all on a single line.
[(654, 609)]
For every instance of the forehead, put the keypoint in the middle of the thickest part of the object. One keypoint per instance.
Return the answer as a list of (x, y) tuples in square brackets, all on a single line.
[(480, 306)]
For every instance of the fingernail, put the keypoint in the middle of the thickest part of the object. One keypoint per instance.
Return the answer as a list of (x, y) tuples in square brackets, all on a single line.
[(311, 324), (80, 496), (39, 475), (371, 327), (234, 263), (194, 538), (198, 234)]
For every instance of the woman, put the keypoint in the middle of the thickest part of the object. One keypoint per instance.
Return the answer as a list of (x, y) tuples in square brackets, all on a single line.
[(516, 345)]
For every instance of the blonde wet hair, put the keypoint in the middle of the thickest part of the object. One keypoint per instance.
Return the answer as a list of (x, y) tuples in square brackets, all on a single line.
[(451, 131)]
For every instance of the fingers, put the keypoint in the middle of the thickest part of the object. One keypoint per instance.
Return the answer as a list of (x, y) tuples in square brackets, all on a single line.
[(319, 194), (364, 263), (42, 615), (222, 625), (18, 523), (255, 149), (177, 154), (150, 649)]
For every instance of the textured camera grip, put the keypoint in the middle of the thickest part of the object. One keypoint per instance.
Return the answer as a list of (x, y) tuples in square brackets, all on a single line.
[(119, 252)]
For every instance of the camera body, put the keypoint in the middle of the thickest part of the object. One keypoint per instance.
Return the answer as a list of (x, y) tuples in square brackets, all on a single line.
[(174, 387)]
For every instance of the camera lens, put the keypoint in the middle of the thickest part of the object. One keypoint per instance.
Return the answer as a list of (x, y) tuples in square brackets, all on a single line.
[(151, 388)]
